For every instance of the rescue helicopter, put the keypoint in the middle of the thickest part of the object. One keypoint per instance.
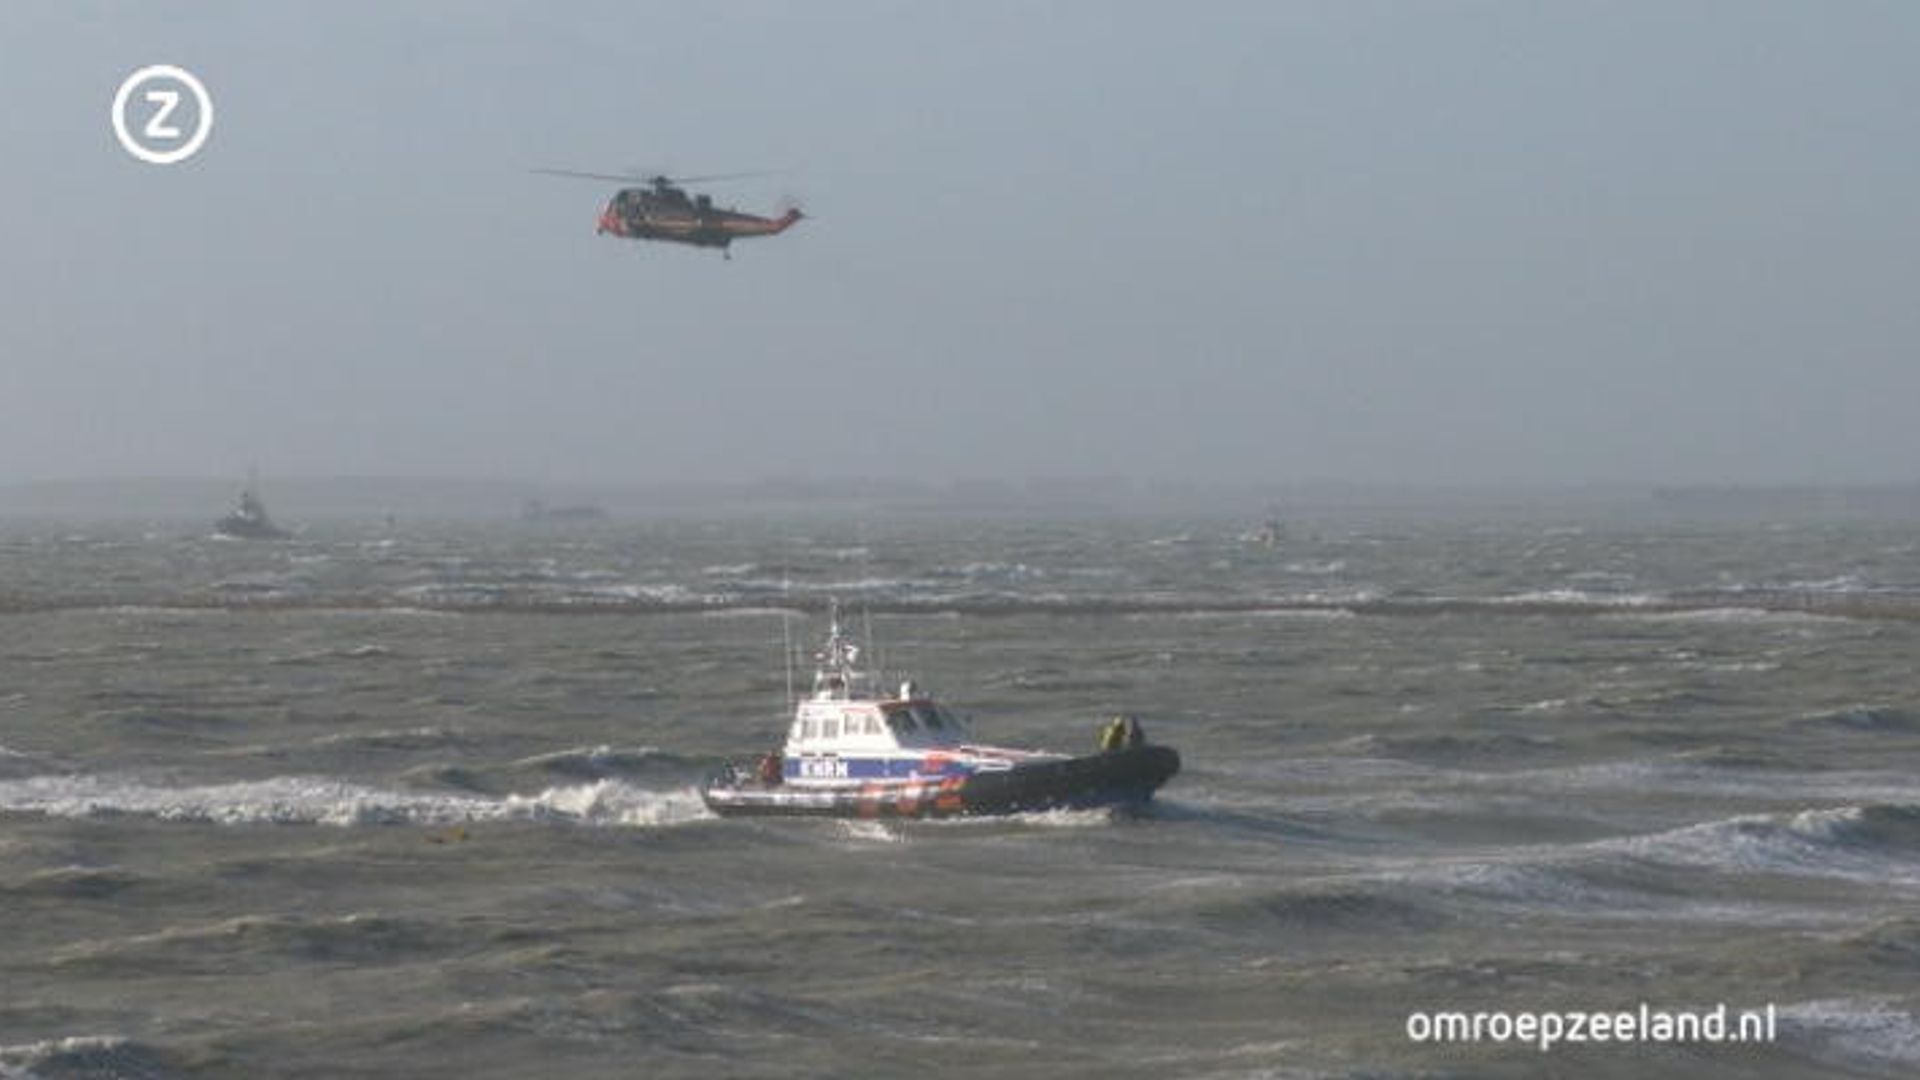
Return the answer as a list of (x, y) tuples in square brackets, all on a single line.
[(662, 210)]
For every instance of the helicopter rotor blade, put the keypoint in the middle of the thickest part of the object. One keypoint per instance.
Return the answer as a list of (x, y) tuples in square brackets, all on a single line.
[(575, 175), (717, 176), (653, 178)]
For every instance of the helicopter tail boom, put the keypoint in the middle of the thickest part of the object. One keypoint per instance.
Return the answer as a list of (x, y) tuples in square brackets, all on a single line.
[(776, 226)]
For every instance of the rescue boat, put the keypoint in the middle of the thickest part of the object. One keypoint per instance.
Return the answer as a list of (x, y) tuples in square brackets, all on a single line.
[(854, 750)]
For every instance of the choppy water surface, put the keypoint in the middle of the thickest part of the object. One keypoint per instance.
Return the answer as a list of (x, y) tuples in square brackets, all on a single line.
[(423, 804)]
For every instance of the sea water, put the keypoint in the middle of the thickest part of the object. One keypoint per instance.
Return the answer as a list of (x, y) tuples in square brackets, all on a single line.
[(423, 802)]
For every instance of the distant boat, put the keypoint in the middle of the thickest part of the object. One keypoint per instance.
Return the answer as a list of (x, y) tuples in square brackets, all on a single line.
[(1270, 534), (249, 521), (535, 510)]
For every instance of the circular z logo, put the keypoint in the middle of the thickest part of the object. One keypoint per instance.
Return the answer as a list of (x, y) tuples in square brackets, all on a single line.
[(147, 115)]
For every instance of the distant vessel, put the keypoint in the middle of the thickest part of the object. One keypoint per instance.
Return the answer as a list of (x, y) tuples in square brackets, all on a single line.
[(536, 510), (248, 520), (1268, 535), (856, 752)]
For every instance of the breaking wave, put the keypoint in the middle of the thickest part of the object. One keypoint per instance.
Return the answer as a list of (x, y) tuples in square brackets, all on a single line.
[(1863, 718), (1878, 843), (602, 761), (988, 596), (323, 801), (1321, 906), (1862, 1032), (82, 1056), (72, 883), (1631, 875), (253, 941)]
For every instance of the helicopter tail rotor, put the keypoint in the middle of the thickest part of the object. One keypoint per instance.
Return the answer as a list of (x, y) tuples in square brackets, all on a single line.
[(787, 219)]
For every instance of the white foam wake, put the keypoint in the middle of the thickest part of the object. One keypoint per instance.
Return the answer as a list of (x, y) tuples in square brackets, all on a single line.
[(103, 1052), (1866, 1031), (295, 800)]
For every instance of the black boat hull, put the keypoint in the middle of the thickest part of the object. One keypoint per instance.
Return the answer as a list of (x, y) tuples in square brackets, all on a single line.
[(1114, 778), (234, 529)]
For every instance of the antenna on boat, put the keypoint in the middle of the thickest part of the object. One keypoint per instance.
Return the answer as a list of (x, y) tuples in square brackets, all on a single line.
[(786, 653), (879, 674), (786, 628)]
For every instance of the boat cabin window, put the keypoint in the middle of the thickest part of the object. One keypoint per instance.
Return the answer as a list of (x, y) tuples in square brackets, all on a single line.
[(928, 716), (809, 728), (829, 729), (900, 721)]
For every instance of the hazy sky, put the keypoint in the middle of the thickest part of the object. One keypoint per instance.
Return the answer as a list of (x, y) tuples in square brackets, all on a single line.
[(1408, 242)]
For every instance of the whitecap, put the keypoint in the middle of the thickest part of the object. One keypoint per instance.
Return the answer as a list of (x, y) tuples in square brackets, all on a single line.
[(603, 755), (869, 832), (731, 570), (1731, 615), (101, 1055), (1576, 598), (1826, 842), (751, 612)]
